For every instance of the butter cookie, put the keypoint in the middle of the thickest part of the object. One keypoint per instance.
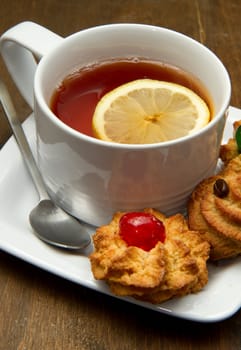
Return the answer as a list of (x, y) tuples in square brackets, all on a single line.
[(173, 267), (218, 215)]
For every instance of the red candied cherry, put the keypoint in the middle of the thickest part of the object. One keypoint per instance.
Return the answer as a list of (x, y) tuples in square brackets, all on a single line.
[(142, 230)]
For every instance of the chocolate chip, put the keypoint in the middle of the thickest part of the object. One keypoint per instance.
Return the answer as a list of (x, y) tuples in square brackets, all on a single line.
[(220, 188)]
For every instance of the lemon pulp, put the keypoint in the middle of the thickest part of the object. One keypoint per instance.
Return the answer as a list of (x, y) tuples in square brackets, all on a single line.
[(149, 111)]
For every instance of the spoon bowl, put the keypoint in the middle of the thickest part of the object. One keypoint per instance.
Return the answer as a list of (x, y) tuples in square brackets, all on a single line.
[(50, 223), (54, 226)]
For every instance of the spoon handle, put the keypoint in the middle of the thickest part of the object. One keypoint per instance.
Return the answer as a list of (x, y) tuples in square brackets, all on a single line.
[(20, 137)]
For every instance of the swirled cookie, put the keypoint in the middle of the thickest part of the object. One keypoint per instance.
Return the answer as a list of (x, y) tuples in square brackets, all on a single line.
[(229, 150), (216, 212), (174, 267)]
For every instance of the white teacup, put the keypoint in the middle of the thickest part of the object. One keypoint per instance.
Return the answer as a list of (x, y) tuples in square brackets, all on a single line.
[(90, 178)]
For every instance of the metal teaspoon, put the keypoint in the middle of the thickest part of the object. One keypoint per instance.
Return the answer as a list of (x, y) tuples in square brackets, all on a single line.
[(50, 223)]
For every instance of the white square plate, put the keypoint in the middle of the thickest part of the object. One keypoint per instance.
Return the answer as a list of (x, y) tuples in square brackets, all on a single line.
[(220, 298)]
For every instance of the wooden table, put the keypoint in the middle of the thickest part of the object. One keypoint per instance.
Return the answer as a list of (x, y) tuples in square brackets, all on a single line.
[(41, 311)]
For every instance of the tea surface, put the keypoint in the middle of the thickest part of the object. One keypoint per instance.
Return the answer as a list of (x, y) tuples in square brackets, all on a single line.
[(74, 101)]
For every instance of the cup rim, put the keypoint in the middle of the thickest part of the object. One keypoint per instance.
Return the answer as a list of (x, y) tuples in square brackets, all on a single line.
[(76, 134)]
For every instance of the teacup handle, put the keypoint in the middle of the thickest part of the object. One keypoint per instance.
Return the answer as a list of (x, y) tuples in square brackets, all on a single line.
[(21, 47)]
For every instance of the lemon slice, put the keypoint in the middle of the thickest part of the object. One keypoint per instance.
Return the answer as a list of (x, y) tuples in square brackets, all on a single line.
[(148, 111)]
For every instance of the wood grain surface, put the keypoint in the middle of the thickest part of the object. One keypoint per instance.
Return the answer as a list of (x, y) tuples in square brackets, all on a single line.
[(41, 311)]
